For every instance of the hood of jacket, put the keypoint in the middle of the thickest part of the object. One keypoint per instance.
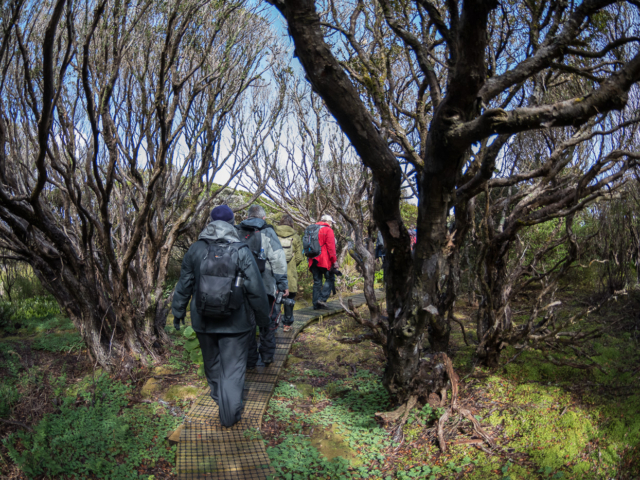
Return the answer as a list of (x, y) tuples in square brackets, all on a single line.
[(284, 231), (254, 222), (219, 230)]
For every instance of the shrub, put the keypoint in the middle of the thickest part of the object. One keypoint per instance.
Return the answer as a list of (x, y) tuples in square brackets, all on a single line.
[(7, 313), (9, 397), (192, 345)]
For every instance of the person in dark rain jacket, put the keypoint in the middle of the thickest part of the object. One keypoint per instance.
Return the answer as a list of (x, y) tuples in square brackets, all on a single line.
[(267, 245), (224, 341)]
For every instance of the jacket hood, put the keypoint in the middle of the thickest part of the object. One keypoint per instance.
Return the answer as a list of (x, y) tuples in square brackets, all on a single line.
[(219, 230), (284, 231), (254, 222)]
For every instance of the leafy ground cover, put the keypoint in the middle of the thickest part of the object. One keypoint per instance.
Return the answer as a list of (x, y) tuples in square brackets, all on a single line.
[(550, 422), (60, 418)]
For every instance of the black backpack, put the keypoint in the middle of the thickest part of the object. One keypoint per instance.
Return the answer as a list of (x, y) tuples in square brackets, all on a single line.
[(311, 242), (254, 242), (220, 290)]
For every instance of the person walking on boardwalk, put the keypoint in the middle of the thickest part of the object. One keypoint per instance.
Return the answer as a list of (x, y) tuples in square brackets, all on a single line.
[(263, 242), (222, 277), (319, 245), (292, 246)]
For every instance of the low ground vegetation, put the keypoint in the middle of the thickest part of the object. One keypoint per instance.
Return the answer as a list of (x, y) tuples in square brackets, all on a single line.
[(549, 421), (61, 417)]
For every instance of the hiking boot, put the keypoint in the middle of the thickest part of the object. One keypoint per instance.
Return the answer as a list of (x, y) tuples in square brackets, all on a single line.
[(322, 305)]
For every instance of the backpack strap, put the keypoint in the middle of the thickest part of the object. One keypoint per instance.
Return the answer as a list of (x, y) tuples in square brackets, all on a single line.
[(244, 228)]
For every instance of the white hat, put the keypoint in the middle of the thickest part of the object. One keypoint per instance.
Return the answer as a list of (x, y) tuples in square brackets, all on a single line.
[(327, 218)]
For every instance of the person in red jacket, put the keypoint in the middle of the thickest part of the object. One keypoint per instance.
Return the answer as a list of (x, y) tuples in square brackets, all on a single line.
[(322, 267)]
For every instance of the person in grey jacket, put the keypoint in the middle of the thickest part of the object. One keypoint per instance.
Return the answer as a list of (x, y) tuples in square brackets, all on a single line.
[(274, 277), (224, 341)]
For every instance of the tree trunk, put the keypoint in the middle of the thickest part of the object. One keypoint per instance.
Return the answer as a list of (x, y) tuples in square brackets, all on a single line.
[(369, 276), (420, 286), (494, 313), (114, 332), (364, 256), (366, 263)]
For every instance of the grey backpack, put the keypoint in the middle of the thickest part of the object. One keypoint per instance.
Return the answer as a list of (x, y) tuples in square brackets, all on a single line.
[(220, 289), (311, 242)]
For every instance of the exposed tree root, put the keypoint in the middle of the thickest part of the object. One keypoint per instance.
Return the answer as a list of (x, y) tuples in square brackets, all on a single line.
[(401, 413), (378, 329), (388, 418), (455, 408), (435, 375)]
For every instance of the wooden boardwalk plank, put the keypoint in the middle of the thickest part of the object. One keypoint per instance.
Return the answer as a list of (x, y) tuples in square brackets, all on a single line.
[(209, 451)]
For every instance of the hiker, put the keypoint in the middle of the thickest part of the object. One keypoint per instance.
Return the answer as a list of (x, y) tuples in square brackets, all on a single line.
[(222, 277), (292, 246), (319, 245), (262, 240)]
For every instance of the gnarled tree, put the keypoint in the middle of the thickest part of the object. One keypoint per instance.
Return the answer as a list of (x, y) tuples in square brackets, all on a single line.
[(115, 118), (415, 84), (552, 175)]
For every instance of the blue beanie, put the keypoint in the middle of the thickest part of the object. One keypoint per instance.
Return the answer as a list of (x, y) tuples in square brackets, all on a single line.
[(222, 212)]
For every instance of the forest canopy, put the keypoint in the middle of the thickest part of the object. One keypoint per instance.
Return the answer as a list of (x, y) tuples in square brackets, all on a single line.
[(477, 156)]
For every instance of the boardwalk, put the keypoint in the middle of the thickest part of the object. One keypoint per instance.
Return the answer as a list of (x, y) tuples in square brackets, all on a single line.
[(212, 452)]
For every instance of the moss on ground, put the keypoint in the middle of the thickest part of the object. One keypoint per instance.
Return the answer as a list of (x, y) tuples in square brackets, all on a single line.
[(181, 392), (325, 349), (550, 421)]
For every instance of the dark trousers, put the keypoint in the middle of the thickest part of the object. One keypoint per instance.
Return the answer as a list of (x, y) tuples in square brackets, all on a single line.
[(323, 281), (267, 348), (287, 318), (225, 363)]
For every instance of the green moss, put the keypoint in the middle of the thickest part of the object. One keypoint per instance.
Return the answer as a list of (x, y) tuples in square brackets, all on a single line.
[(150, 387), (291, 360), (325, 349), (84, 383), (485, 471), (331, 444), (180, 392), (163, 370), (552, 438), (463, 359), (532, 366), (305, 389)]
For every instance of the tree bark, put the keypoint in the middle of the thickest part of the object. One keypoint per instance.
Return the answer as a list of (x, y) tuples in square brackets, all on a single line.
[(421, 285)]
